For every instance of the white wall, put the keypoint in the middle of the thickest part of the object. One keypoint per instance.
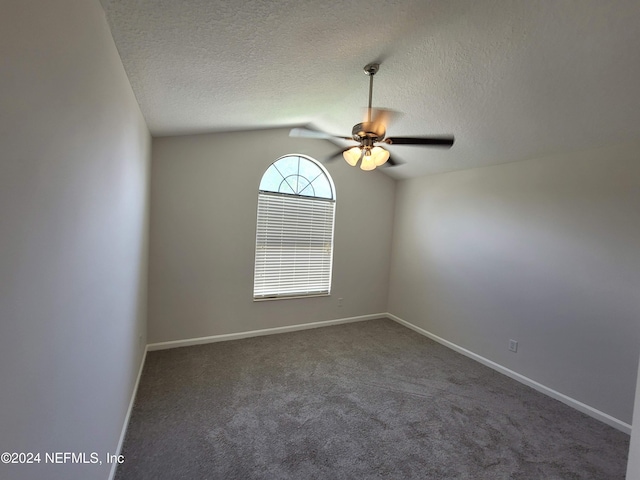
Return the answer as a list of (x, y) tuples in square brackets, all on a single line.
[(544, 251), (74, 156), (203, 224)]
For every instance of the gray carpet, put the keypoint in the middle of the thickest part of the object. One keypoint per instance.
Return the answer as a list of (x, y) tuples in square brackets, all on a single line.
[(357, 401)]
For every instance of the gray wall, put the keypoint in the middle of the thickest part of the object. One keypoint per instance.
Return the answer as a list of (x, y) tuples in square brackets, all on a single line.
[(73, 217), (633, 467), (544, 251), (203, 224)]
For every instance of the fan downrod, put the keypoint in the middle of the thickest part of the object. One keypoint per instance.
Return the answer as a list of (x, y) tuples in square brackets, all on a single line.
[(367, 133)]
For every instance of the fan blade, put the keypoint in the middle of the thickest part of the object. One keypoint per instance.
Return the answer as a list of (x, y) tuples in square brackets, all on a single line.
[(338, 154), (308, 133), (382, 117), (433, 141), (391, 162)]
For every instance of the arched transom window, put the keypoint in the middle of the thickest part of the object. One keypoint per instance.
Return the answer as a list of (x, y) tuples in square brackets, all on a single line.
[(294, 232), (297, 175)]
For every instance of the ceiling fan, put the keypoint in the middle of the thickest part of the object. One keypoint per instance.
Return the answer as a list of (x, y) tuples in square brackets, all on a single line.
[(372, 132)]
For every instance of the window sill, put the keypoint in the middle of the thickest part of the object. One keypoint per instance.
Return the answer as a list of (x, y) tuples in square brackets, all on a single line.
[(291, 297)]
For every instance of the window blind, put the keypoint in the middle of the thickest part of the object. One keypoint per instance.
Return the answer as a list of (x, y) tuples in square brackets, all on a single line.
[(294, 246)]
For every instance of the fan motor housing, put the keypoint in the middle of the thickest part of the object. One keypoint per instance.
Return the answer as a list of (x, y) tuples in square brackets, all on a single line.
[(368, 133)]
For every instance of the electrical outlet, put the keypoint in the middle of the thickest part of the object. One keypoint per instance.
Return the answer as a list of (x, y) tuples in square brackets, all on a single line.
[(513, 345), (340, 302)]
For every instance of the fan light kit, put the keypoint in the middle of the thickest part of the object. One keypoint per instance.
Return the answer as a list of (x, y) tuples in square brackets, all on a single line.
[(371, 132)]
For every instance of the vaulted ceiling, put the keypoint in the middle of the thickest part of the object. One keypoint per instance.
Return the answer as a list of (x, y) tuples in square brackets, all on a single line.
[(511, 79)]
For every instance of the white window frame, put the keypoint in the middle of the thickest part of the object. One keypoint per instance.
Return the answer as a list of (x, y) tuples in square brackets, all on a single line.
[(294, 240)]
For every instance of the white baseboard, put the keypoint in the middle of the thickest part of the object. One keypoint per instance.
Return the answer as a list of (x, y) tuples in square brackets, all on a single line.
[(592, 412), (257, 333), (123, 433)]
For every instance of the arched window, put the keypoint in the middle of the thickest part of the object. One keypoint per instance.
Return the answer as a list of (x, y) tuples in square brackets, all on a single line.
[(294, 233)]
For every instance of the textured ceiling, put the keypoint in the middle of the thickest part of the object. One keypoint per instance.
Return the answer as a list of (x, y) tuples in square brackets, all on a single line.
[(510, 79)]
